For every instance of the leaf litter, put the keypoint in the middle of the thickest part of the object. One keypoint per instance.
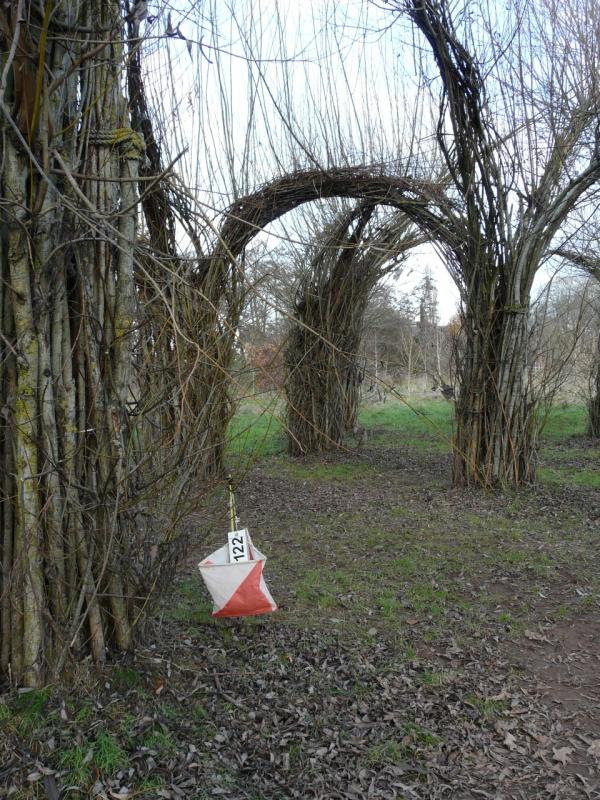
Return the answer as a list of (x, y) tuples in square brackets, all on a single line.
[(282, 707)]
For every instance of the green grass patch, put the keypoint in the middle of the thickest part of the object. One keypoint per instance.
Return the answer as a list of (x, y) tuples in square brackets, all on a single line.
[(126, 678), (254, 434), (415, 740), (432, 679), (420, 735), (84, 714), (109, 757), (76, 761), (424, 425), (487, 707), (148, 787), (569, 476), (32, 704), (317, 589), (83, 761), (428, 600), (191, 603), (322, 472), (563, 421), (383, 753), (161, 741)]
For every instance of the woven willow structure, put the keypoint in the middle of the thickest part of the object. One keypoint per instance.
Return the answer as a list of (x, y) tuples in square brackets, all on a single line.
[(113, 347), (322, 352)]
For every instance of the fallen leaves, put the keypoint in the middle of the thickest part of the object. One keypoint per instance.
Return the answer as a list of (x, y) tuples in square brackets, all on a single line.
[(562, 754), (594, 749), (510, 741)]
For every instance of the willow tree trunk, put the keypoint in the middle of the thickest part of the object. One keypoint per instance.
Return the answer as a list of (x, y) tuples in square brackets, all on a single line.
[(495, 421), (493, 248), (594, 403), (69, 533), (323, 373), (322, 387)]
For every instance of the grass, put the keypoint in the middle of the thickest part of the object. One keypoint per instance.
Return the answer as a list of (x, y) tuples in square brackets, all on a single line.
[(567, 476), (486, 707), (419, 417), (337, 473), (254, 434), (419, 424), (394, 752), (76, 761), (384, 753), (564, 421), (109, 757), (26, 711), (422, 573), (160, 740), (125, 678), (190, 604), (103, 757)]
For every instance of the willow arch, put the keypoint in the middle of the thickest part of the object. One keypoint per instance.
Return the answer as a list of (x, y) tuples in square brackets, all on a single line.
[(244, 219), (322, 363)]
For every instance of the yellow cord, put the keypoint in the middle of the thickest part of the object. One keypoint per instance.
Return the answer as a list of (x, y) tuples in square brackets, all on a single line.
[(232, 515)]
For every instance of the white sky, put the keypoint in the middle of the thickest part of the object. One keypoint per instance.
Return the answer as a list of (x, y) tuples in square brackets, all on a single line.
[(416, 267), (342, 98)]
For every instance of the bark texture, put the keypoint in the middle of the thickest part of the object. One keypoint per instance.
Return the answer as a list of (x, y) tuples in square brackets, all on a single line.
[(594, 402), (80, 533)]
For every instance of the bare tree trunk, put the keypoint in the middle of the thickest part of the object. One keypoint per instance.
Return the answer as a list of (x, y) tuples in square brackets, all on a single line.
[(494, 442), (594, 403)]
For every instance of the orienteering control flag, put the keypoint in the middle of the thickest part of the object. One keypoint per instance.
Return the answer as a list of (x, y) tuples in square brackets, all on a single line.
[(237, 589)]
